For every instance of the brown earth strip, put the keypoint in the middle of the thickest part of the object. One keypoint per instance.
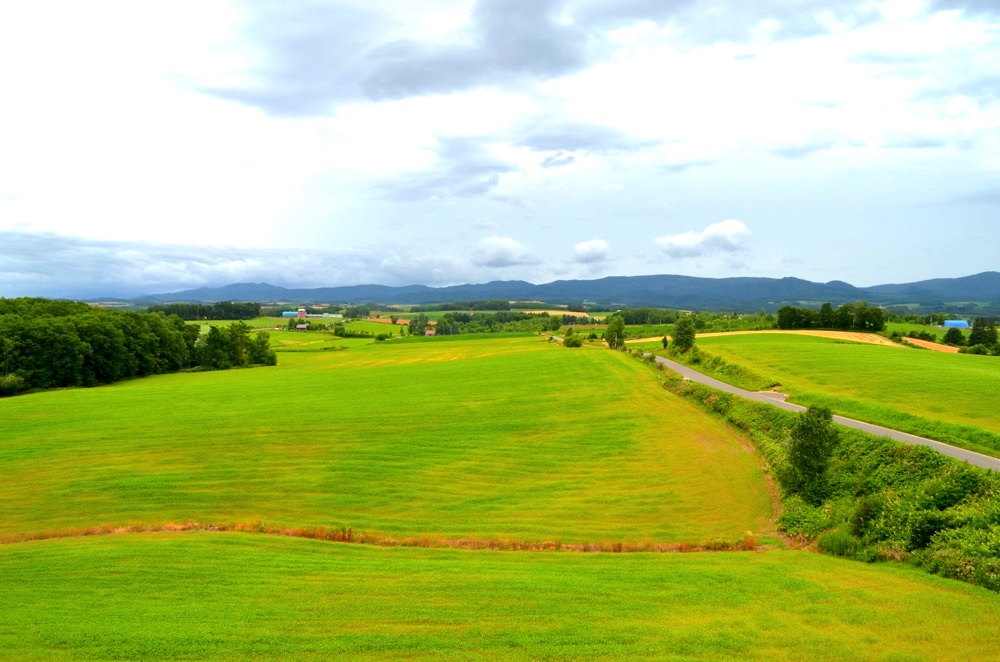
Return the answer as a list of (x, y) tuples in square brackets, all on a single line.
[(933, 346), (869, 338), (349, 536)]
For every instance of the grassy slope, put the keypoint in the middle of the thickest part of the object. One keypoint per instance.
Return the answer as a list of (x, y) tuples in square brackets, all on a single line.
[(880, 384), (475, 437), (241, 595)]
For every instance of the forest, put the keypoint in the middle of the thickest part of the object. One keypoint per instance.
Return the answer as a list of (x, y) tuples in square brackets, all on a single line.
[(57, 344)]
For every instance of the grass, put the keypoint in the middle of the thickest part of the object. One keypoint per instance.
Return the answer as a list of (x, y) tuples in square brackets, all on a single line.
[(950, 397), (477, 442), (480, 437), (239, 596)]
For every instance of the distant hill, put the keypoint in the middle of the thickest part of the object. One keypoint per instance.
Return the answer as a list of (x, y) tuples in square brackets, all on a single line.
[(670, 291), (981, 287)]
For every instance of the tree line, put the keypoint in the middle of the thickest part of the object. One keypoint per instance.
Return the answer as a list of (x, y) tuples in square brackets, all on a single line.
[(479, 304), (848, 317), (57, 344), (454, 323), (982, 338), (220, 310)]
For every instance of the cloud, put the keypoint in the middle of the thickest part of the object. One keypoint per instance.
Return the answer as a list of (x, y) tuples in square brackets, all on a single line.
[(59, 266), (972, 7), (507, 39), (465, 167), (590, 252), (687, 165), (309, 56), (549, 135), (498, 252), (304, 56), (558, 160), (725, 237), (801, 150), (708, 21)]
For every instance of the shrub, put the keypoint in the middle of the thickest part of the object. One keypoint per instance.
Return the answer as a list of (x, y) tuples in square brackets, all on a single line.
[(573, 341), (981, 350), (839, 543), (11, 384)]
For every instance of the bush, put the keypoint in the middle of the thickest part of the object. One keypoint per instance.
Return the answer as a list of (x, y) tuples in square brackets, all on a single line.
[(573, 341), (981, 350), (11, 384), (839, 543)]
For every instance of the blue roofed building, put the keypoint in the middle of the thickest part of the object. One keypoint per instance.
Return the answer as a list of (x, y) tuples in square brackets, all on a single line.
[(956, 324)]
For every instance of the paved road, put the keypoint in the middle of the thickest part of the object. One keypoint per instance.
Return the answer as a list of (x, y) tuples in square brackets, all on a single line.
[(778, 400)]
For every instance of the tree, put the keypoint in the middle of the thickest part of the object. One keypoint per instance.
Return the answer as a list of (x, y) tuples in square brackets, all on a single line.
[(983, 333), (684, 335), (615, 333), (813, 441), (954, 336), (664, 341), (418, 325), (826, 316)]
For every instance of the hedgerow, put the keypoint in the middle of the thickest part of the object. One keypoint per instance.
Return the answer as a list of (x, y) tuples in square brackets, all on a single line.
[(888, 500)]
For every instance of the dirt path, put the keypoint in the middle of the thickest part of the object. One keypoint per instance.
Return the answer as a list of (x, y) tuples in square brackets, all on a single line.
[(937, 347), (869, 338)]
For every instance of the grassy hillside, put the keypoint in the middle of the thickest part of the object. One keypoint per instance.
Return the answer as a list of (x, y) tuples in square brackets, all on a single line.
[(481, 437), (239, 596), (901, 388)]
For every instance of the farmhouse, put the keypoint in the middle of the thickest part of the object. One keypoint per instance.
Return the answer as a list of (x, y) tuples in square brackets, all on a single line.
[(956, 324), (430, 332), (301, 327)]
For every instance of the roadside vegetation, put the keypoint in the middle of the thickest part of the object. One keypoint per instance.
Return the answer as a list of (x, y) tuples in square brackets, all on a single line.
[(947, 397), (869, 498)]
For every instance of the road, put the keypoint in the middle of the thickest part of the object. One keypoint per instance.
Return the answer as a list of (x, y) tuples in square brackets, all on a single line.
[(778, 400)]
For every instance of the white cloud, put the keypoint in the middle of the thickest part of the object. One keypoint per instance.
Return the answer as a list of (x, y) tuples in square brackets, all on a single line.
[(725, 237), (588, 252), (497, 252)]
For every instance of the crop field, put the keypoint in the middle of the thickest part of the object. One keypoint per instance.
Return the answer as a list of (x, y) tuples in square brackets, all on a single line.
[(424, 441), (479, 437), (905, 389), (198, 595)]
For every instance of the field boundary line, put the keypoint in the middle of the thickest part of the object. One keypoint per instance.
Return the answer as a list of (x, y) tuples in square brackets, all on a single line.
[(348, 536)]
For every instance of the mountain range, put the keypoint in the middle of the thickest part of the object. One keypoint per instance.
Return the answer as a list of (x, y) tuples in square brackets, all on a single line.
[(669, 291)]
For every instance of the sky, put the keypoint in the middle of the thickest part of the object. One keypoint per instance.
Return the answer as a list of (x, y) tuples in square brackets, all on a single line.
[(150, 147)]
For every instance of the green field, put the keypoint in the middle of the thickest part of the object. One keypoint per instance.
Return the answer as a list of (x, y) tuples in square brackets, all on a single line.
[(901, 388), (495, 438), (479, 437), (238, 596)]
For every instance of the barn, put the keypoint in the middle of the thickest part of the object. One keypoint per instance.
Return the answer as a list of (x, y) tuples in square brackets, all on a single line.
[(956, 324)]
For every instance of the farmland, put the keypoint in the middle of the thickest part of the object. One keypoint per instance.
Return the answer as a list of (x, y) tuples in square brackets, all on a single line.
[(239, 595), (433, 440), (467, 437), (944, 396)]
